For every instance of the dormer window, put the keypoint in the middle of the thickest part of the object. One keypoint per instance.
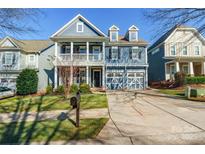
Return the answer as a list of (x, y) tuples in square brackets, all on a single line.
[(113, 36), (113, 33), (80, 27), (133, 36)]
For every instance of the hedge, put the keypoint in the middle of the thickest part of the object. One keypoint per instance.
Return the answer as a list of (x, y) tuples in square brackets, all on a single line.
[(27, 82), (195, 80)]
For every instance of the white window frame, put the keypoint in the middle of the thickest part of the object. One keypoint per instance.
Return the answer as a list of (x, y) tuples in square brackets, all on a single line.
[(183, 50), (187, 68), (82, 47), (130, 38), (77, 28), (195, 50), (112, 53), (96, 47), (12, 56), (111, 33), (135, 48), (34, 59), (171, 50)]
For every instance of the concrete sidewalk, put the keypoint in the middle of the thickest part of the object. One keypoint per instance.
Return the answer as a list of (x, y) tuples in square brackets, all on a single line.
[(52, 115)]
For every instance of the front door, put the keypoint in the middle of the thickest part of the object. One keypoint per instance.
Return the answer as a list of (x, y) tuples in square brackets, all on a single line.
[(96, 78)]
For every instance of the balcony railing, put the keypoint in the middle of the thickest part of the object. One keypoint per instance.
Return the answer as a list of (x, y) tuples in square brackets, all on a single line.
[(82, 57)]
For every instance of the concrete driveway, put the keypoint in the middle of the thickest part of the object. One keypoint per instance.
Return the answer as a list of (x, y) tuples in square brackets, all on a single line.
[(145, 119)]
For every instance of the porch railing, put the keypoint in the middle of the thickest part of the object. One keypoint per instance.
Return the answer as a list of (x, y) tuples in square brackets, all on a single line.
[(82, 57)]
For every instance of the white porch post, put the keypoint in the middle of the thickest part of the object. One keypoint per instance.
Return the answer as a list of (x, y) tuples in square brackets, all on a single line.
[(87, 50), (87, 74), (56, 68), (191, 69), (71, 51), (71, 75), (103, 51), (203, 68), (103, 77), (177, 66)]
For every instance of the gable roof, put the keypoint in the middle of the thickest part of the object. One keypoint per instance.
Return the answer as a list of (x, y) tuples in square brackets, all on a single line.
[(164, 37), (113, 27), (79, 16), (133, 27), (28, 46)]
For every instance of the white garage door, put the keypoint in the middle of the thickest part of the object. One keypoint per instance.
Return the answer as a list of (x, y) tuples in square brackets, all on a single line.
[(135, 80)]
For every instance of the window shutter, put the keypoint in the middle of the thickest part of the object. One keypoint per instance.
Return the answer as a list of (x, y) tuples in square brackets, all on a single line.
[(14, 58), (3, 59), (119, 54), (130, 53), (110, 53)]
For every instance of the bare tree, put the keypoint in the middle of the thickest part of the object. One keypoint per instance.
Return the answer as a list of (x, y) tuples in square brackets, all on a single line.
[(15, 21), (166, 18)]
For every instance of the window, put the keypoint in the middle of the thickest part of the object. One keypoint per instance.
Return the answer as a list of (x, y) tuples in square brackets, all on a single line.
[(185, 69), (133, 36), (82, 49), (173, 50), (31, 58), (114, 53), (184, 50), (8, 59), (80, 27), (136, 53), (113, 36), (196, 50)]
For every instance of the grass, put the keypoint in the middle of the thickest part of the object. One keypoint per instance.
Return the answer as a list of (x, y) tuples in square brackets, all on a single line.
[(176, 92), (49, 130), (48, 103)]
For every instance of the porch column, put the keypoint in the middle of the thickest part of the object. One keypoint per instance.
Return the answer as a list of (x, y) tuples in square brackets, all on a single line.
[(103, 51), (177, 66), (203, 68), (103, 77), (191, 69), (55, 77), (71, 75), (71, 51), (87, 74), (87, 50), (56, 68)]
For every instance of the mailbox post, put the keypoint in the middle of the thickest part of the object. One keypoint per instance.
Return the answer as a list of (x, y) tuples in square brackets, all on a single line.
[(75, 103)]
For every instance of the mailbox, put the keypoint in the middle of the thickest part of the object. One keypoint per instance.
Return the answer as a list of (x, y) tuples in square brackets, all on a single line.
[(73, 102)]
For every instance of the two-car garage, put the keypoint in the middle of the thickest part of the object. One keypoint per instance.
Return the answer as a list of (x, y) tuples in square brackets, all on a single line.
[(125, 79)]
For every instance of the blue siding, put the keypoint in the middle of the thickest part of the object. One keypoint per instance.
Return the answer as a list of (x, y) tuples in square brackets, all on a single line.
[(71, 30), (156, 70)]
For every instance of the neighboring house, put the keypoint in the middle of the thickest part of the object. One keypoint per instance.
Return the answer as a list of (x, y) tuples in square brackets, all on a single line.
[(16, 55), (181, 49), (111, 62)]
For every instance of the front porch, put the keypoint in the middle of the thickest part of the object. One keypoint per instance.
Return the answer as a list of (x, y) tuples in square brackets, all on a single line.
[(192, 68), (92, 75)]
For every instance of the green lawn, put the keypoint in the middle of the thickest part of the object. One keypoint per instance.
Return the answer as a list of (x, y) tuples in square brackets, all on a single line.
[(172, 92), (49, 130), (47, 103)]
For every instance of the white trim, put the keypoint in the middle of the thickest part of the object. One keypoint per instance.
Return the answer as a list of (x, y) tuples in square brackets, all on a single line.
[(174, 45), (133, 26), (199, 50), (7, 37), (113, 27), (76, 17), (111, 36), (78, 24)]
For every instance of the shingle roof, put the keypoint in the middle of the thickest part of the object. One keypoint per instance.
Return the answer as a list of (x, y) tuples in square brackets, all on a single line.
[(31, 46), (123, 41), (166, 35)]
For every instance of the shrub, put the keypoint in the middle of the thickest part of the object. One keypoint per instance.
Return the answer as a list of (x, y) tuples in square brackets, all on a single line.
[(27, 82), (73, 88), (60, 89), (84, 88), (49, 89), (195, 80), (179, 78)]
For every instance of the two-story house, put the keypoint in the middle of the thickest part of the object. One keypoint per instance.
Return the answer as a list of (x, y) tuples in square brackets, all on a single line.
[(181, 49), (16, 55), (108, 61)]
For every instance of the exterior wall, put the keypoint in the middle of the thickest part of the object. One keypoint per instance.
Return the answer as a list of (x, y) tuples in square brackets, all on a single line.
[(156, 70), (46, 68), (188, 38), (71, 30)]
